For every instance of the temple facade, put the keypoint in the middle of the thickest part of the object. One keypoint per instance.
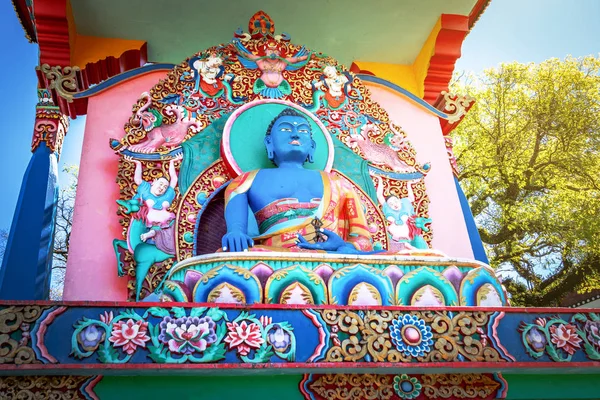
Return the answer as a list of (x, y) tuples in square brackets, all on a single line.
[(267, 205)]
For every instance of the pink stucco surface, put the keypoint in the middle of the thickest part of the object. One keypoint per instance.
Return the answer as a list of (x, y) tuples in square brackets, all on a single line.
[(92, 266), (424, 133)]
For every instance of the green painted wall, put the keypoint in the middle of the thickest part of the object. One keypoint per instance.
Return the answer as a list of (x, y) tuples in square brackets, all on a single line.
[(547, 387), (248, 387), (199, 387)]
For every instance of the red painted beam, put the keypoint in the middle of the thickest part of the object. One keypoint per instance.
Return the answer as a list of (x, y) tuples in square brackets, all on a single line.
[(25, 18), (51, 22), (101, 70), (447, 50), (476, 12), (53, 32)]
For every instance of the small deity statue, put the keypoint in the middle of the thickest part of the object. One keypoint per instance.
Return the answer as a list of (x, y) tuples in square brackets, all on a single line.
[(286, 200), (404, 226), (334, 87), (271, 61), (152, 231), (208, 73), (151, 202)]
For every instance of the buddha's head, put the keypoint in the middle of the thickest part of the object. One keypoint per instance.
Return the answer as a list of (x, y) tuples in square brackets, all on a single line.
[(289, 138)]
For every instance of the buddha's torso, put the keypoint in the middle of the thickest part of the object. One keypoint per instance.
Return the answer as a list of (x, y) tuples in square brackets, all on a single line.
[(274, 184)]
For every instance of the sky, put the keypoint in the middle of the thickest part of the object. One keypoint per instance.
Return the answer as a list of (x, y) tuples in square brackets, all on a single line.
[(509, 30)]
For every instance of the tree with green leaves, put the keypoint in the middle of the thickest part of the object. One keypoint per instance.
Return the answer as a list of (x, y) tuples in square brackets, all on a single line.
[(529, 163), (62, 230)]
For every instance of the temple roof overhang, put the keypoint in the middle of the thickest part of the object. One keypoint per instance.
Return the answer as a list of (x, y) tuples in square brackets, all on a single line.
[(411, 43), (384, 31)]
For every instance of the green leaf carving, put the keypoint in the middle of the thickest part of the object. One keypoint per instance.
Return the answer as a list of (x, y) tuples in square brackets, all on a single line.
[(178, 312), (158, 312), (197, 311), (216, 314)]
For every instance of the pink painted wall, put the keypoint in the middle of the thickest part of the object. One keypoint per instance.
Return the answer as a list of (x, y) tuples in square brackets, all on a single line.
[(92, 266), (425, 134)]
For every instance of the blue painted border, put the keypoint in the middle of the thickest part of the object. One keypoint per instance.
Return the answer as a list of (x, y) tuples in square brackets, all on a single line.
[(476, 243), (404, 92), (102, 86)]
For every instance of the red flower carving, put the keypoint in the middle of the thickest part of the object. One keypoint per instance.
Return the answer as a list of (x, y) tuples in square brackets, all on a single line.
[(129, 335), (565, 337), (243, 336)]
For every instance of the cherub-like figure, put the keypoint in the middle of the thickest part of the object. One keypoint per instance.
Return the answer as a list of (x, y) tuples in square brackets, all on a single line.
[(271, 61), (404, 227), (151, 235)]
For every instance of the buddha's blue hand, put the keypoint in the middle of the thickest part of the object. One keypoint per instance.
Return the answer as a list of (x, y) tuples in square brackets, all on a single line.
[(236, 241), (333, 244)]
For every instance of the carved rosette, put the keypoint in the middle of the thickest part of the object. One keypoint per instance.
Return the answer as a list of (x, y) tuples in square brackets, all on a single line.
[(16, 324), (50, 126), (394, 336)]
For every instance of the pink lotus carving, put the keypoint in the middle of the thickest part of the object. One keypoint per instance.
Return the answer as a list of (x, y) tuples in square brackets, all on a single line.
[(129, 335), (243, 337), (565, 337), (188, 334)]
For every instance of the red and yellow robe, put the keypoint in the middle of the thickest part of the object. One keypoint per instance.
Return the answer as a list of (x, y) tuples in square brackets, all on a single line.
[(281, 221)]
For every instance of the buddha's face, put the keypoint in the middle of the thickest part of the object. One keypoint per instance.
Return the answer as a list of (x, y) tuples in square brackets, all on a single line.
[(290, 137), (159, 187)]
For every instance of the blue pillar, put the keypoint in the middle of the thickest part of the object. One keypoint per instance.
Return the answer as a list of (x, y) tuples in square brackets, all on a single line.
[(27, 264)]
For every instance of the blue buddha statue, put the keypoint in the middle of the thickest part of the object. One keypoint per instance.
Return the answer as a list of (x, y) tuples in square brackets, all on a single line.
[(287, 200)]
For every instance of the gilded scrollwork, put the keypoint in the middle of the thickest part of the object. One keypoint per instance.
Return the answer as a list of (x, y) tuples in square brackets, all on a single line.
[(16, 324), (456, 106), (403, 386), (45, 387), (394, 336), (461, 386), (62, 80)]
